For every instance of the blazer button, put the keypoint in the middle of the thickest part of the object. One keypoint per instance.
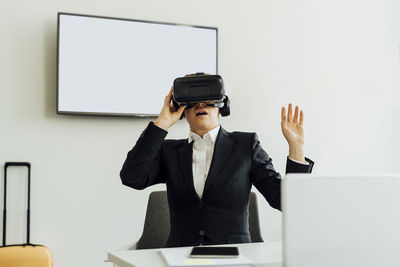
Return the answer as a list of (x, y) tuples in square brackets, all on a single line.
[(201, 206), (201, 232)]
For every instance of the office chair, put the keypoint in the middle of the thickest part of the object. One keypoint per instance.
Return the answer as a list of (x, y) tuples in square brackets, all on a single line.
[(157, 224)]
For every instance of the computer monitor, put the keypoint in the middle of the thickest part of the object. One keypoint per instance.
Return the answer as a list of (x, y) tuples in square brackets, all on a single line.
[(341, 220)]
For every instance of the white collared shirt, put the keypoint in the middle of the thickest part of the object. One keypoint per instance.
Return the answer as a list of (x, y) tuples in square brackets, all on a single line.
[(203, 150)]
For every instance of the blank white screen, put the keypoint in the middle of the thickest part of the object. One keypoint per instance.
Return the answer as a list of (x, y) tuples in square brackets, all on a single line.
[(125, 67)]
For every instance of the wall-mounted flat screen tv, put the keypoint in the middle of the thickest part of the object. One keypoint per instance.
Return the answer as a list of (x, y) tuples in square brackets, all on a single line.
[(125, 67)]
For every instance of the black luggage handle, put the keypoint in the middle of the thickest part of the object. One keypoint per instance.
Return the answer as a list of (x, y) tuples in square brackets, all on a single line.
[(6, 165)]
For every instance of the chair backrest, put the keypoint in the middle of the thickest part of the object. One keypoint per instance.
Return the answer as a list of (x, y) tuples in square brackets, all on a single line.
[(254, 222), (157, 222)]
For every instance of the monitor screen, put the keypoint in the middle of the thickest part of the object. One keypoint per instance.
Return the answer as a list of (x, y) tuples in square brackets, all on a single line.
[(124, 67)]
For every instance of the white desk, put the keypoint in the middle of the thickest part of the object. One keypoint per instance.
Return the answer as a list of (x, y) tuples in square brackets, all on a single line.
[(268, 254)]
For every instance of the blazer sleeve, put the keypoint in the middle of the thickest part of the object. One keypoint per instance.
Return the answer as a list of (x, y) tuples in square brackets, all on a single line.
[(294, 167), (265, 178), (263, 175), (143, 166)]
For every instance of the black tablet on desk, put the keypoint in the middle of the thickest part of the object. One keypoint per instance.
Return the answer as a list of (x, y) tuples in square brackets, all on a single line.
[(214, 252)]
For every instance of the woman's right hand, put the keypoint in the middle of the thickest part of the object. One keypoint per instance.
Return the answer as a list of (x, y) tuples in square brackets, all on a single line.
[(168, 115)]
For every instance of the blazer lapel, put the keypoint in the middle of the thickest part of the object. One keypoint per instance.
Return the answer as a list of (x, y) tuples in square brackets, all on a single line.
[(185, 159), (222, 148)]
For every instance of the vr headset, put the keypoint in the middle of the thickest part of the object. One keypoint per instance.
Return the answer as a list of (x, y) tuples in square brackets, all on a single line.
[(201, 88)]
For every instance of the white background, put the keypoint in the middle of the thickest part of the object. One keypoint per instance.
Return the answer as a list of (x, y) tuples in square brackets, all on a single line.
[(338, 59), (112, 66)]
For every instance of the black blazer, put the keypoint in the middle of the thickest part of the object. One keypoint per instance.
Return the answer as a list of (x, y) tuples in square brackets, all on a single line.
[(221, 215)]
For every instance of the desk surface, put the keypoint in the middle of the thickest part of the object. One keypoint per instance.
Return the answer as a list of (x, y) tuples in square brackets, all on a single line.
[(262, 254)]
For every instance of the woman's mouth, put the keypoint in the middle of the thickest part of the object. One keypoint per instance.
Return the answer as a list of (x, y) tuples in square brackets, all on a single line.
[(201, 113)]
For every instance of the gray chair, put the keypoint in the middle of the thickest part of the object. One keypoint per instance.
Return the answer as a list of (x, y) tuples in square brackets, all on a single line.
[(157, 225)]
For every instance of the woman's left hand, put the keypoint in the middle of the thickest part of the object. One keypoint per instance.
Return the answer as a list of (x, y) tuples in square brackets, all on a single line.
[(292, 129)]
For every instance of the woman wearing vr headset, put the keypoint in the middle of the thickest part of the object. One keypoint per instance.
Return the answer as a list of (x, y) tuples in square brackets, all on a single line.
[(209, 175)]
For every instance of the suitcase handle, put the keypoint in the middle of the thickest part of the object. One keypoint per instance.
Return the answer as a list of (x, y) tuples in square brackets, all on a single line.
[(23, 164)]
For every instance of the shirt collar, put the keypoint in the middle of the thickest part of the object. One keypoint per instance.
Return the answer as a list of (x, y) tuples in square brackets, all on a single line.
[(212, 134)]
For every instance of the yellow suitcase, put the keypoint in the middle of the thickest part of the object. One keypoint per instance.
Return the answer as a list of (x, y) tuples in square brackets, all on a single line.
[(23, 255), (27, 255)]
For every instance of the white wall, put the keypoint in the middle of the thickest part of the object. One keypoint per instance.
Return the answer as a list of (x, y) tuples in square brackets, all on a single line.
[(338, 59)]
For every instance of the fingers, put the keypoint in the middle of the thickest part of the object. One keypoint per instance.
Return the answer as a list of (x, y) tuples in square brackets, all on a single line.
[(301, 118), (176, 115), (167, 99), (296, 114), (290, 115), (181, 110)]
